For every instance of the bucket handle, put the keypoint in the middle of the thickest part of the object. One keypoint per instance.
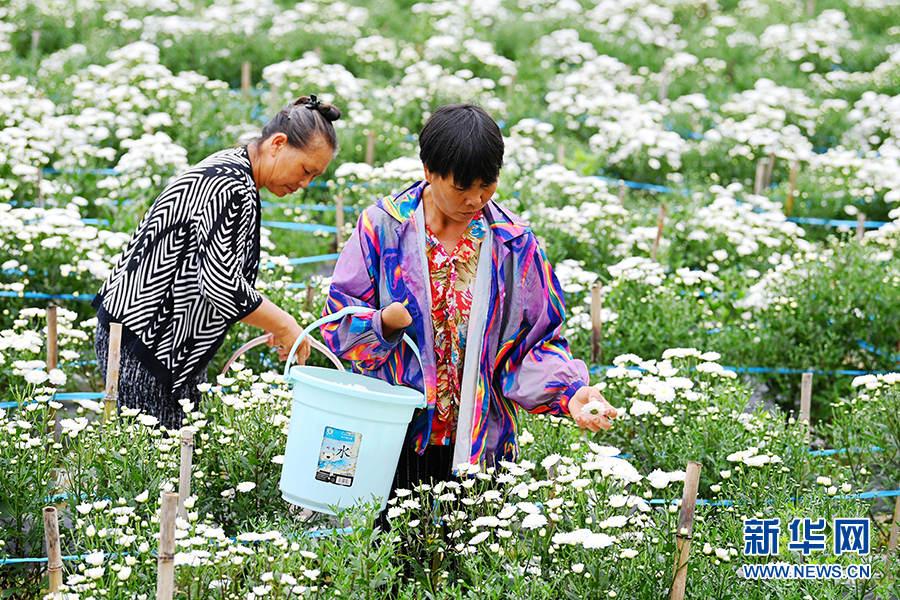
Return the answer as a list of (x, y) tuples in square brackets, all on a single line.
[(347, 310)]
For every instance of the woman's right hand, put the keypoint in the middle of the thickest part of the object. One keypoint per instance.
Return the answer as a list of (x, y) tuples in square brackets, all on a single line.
[(394, 318)]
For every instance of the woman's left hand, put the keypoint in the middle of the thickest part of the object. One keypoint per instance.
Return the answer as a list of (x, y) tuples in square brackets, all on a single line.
[(284, 341), (582, 398)]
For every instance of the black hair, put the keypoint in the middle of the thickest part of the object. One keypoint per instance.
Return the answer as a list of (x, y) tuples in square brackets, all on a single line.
[(302, 122), (462, 140)]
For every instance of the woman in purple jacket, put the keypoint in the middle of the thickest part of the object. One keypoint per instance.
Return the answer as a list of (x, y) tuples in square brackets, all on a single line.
[(467, 280)]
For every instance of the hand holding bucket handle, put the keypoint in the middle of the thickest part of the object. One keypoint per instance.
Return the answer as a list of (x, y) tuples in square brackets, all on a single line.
[(347, 310)]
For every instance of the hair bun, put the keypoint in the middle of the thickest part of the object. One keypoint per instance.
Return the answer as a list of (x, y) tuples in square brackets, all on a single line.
[(331, 113)]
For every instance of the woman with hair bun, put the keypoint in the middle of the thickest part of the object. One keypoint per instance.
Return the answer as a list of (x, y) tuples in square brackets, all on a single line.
[(189, 272)]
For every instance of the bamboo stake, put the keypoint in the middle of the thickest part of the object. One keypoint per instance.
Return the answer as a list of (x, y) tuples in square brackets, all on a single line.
[(52, 339), (792, 185), (184, 479), (112, 371), (246, 82), (895, 528), (165, 577), (770, 168), (596, 325), (622, 188), (660, 225), (860, 226), (806, 402), (561, 154), (370, 148), (54, 553), (52, 362), (685, 529), (339, 218), (760, 175), (810, 7)]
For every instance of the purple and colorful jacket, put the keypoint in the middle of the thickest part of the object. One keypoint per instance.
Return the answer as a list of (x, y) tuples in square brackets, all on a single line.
[(522, 357)]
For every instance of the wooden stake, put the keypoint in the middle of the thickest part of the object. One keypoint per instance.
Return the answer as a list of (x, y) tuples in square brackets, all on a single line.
[(792, 186), (310, 296), (275, 101), (511, 86), (112, 371), (184, 479), (660, 224), (770, 168), (561, 154), (663, 85), (40, 186), (596, 324), (35, 42), (246, 82), (810, 7), (685, 529), (806, 401), (165, 576), (339, 218), (860, 226), (54, 553), (760, 176), (895, 528), (622, 188), (52, 339), (370, 148)]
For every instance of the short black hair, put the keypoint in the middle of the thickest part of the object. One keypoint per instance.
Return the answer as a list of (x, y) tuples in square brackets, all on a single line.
[(462, 140)]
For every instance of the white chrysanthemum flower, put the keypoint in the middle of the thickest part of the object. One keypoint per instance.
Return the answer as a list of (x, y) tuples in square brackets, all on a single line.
[(246, 486), (36, 377), (615, 521), (597, 540), (94, 559), (487, 521), (525, 438), (550, 460), (594, 408), (148, 420), (533, 521), (479, 538), (57, 377)]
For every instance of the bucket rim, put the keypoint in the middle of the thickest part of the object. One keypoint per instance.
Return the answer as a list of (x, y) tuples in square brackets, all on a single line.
[(298, 374)]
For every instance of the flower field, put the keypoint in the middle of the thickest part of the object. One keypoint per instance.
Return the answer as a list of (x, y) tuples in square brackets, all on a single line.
[(721, 176)]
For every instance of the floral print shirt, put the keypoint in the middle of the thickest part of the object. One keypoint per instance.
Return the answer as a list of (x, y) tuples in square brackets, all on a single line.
[(452, 284)]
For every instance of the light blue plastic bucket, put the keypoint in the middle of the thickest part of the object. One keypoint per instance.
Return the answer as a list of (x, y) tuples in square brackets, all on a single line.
[(346, 433)]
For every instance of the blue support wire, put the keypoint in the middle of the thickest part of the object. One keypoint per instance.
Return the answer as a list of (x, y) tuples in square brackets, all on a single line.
[(835, 222), (299, 226)]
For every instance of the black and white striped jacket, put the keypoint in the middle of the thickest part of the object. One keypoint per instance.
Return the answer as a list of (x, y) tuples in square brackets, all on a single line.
[(188, 273)]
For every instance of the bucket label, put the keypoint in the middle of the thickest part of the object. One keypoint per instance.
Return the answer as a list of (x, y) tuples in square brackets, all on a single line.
[(337, 457)]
